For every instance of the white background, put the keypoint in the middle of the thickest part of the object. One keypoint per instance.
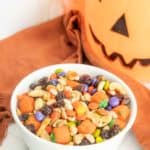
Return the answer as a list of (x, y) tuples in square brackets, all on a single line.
[(16, 15)]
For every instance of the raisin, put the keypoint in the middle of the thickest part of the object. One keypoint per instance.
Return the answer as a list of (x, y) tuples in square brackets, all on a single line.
[(31, 128), (125, 100), (78, 88), (86, 79), (47, 110), (84, 142), (23, 117), (114, 130), (59, 104), (43, 81), (81, 88), (60, 96), (105, 134), (33, 86)]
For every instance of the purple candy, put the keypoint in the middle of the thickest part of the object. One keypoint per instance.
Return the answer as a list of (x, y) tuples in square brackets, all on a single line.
[(114, 101), (62, 74), (39, 116), (53, 82), (85, 88), (94, 81)]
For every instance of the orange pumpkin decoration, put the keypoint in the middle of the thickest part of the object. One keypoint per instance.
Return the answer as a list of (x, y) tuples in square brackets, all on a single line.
[(118, 33)]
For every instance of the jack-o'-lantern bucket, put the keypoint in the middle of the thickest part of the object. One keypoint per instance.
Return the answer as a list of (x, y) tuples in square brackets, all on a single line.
[(119, 33)]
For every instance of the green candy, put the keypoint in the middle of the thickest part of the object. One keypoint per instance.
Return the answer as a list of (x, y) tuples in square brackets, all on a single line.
[(112, 122), (99, 139), (97, 133), (52, 137), (103, 104), (59, 70)]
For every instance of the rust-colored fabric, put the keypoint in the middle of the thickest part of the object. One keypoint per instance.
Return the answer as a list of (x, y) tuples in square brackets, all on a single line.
[(58, 41)]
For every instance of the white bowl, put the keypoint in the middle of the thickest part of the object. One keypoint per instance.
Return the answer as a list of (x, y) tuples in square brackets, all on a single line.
[(36, 143)]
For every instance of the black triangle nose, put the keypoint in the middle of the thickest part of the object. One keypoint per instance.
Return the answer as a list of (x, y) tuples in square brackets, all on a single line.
[(120, 26)]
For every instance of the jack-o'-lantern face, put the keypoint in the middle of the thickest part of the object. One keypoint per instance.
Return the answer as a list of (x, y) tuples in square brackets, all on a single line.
[(122, 28)]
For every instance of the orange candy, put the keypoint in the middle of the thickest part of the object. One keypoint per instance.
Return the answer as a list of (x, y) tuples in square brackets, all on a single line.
[(55, 115), (120, 123), (99, 96), (70, 113), (71, 83), (49, 129), (62, 134), (81, 117), (93, 105), (25, 103), (86, 127), (122, 111), (67, 94), (32, 121), (79, 107)]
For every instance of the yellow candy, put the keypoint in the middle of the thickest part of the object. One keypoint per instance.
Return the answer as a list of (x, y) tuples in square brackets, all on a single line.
[(99, 139), (97, 133), (79, 107), (71, 123)]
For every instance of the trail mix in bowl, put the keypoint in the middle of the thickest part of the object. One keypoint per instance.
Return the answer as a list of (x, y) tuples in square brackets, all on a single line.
[(73, 109)]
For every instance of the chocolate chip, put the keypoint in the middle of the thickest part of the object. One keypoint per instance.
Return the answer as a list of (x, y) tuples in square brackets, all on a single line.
[(60, 96), (23, 117), (114, 130), (33, 86), (105, 134), (86, 79), (43, 81), (84, 142), (125, 100), (59, 104), (47, 110)]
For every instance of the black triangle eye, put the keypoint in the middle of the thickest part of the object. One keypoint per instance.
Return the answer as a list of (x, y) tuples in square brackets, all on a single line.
[(120, 26)]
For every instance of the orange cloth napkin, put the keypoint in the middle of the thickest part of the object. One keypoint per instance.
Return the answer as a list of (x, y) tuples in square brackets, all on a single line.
[(58, 41)]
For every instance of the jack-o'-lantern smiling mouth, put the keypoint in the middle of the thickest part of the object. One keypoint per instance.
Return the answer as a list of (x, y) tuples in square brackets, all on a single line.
[(115, 55)]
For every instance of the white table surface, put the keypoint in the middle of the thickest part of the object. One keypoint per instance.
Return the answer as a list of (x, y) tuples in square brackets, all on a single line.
[(16, 15)]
